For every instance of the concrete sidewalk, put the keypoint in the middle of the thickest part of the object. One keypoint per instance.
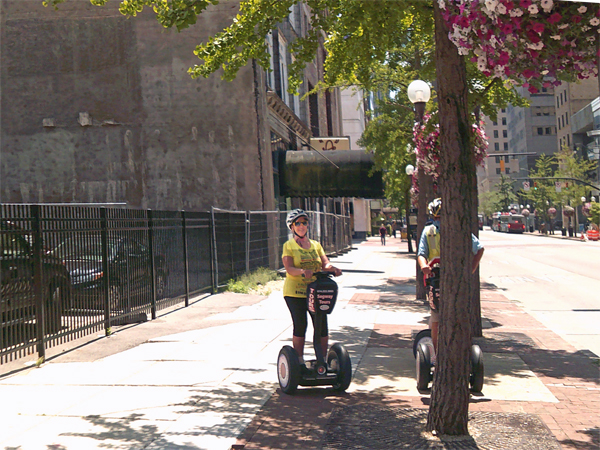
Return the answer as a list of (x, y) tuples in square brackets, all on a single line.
[(204, 377)]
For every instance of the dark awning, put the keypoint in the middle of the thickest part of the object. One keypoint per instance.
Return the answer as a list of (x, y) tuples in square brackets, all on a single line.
[(309, 174)]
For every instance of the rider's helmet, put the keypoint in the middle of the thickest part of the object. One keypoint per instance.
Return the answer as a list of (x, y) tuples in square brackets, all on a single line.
[(435, 207), (295, 215)]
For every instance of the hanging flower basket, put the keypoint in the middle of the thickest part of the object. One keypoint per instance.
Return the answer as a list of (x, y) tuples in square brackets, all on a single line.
[(525, 212), (569, 211), (552, 212), (585, 209)]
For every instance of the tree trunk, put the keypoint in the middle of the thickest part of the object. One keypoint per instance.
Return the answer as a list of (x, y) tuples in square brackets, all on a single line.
[(448, 412)]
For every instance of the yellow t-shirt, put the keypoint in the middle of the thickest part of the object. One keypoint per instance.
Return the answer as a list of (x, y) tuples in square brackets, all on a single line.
[(304, 258)]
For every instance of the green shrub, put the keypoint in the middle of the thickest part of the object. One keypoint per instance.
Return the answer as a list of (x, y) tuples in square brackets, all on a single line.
[(250, 281), (595, 213)]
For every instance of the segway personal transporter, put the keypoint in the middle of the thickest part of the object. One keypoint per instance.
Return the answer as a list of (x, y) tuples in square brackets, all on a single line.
[(336, 371), (424, 351)]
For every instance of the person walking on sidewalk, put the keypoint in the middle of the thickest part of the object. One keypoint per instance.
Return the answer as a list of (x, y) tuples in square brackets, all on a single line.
[(302, 257), (429, 248), (382, 232)]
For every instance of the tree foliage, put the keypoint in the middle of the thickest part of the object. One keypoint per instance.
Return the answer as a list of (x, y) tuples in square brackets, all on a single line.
[(572, 167), (505, 194)]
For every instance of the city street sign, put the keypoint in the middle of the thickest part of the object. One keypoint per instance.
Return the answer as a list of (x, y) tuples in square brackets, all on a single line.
[(526, 185), (557, 185)]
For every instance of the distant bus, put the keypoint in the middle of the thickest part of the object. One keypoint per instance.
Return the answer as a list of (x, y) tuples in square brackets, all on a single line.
[(508, 223)]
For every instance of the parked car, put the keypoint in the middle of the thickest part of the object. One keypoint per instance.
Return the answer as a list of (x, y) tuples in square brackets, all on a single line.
[(17, 295), (129, 272)]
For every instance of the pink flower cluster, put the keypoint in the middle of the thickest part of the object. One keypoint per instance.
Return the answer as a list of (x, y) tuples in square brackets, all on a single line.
[(427, 146), (533, 43), (427, 149)]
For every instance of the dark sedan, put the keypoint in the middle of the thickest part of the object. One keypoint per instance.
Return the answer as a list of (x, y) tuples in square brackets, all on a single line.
[(17, 293), (128, 273)]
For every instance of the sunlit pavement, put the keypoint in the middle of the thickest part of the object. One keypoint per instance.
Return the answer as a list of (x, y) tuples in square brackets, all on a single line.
[(204, 377)]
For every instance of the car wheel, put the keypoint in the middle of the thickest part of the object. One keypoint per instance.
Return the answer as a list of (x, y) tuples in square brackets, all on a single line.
[(161, 285), (115, 298), (54, 307)]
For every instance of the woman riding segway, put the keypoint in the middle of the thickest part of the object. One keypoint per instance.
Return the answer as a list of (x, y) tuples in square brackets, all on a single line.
[(303, 259)]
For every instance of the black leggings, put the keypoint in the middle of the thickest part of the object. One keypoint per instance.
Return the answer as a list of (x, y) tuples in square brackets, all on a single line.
[(299, 310)]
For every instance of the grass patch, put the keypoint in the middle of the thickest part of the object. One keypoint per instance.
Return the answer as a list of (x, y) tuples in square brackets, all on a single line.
[(250, 281)]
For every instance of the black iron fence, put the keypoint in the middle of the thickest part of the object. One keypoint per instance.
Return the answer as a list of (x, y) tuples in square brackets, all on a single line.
[(69, 271)]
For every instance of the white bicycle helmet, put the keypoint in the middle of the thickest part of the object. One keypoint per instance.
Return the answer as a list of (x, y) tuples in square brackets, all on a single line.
[(295, 215), (435, 207)]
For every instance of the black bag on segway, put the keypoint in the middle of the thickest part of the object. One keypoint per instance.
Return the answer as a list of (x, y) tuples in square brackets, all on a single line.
[(433, 285), (321, 294)]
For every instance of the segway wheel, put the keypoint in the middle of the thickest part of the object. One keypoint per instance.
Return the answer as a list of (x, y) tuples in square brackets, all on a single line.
[(423, 366), (338, 360), (476, 378), (288, 370), (423, 334)]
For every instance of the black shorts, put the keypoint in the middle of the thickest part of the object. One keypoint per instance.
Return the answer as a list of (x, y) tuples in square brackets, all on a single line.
[(299, 310)]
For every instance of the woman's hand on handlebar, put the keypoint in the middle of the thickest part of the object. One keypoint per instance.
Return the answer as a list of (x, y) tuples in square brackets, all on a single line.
[(426, 271), (307, 273), (334, 270)]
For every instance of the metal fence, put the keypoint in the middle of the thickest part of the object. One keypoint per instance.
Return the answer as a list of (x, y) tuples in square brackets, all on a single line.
[(69, 271)]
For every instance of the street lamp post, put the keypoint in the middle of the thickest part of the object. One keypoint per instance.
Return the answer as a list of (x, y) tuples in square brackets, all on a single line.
[(410, 170), (419, 94)]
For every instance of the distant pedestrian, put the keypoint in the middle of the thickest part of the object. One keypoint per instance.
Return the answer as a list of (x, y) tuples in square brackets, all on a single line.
[(394, 226), (382, 233)]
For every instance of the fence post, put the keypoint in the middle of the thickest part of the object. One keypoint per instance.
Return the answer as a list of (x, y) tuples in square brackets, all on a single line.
[(186, 274), (247, 223), (213, 250), (38, 289), (105, 269), (152, 264)]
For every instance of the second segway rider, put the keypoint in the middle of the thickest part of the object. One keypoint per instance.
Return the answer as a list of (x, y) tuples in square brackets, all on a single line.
[(429, 248), (302, 257)]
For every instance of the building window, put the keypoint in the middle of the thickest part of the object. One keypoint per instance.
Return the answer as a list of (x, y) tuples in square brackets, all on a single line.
[(497, 146), (496, 134), (540, 131), (507, 171), (567, 118), (498, 171), (313, 108), (504, 121), (504, 133), (283, 70), (506, 158), (506, 146), (569, 140), (497, 160), (271, 71), (548, 131), (503, 110)]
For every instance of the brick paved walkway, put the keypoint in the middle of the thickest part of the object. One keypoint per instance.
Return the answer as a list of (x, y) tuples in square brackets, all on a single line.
[(301, 421)]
